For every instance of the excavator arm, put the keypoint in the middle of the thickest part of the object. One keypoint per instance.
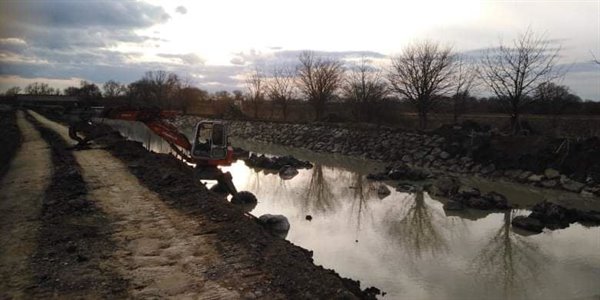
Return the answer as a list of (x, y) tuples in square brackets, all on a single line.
[(206, 166), (154, 120)]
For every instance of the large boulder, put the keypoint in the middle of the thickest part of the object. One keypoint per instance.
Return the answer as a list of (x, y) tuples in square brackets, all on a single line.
[(383, 191), (276, 163), (453, 205), (551, 173), (573, 186), (401, 171), (287, 172), (472, 197), (553, 215), (528, 223), (445, 186), (277, 224)]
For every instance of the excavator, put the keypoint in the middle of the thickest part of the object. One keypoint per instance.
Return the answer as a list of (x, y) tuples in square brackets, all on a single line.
[(208, 150)]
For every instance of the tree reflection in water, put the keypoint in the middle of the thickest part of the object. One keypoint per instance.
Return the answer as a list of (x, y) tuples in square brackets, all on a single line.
[(254, 182), (415, 227), (509, 259), (319, 196), (362, 191)]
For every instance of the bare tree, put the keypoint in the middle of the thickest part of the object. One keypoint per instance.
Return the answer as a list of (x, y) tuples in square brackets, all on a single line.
[(319, 79), (512, 72), (422, 74), (256, 86), (365, 88), (40, 89), (13, 91), (138, 92), (188, 96), (88, 91), (555, 99), (465, 80), (280, 87), (163, 87), (113, 89)]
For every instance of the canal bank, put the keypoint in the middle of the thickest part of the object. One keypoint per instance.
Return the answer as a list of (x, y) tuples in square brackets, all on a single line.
[(461, 150), (408, 244), (194, 232)]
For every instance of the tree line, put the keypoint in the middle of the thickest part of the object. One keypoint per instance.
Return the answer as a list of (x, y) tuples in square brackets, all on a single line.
[(521, 77)]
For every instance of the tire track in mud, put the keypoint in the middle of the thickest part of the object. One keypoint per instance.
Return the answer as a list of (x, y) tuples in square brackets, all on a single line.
[(21, 195), (159, 250), (74, 235)]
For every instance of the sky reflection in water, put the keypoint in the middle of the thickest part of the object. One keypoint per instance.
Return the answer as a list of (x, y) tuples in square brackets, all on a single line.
[(406, 244)]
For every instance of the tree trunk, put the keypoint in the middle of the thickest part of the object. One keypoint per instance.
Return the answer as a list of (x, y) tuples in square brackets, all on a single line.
[(422, 120), (284, 111), (455, 114), (515, 122), (318, 111)]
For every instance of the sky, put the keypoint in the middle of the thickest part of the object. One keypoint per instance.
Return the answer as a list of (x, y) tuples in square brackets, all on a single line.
[(211, 44)]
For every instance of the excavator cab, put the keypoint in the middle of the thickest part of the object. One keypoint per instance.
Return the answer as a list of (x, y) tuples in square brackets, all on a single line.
[(210, 141)]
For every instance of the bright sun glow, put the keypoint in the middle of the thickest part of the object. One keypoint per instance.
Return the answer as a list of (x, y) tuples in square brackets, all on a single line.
[(217, 30)]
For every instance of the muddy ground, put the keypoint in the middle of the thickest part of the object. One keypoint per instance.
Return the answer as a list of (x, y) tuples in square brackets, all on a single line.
[(117, 221)]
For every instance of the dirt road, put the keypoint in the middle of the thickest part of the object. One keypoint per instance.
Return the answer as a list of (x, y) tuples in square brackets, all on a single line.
[(158, 251), (21, 195), (158, 234)]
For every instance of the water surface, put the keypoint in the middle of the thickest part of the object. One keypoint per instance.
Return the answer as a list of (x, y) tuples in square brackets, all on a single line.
[(406, 244)]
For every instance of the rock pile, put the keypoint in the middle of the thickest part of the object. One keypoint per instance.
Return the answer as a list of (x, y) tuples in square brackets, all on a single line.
[(553, 216), (472, 198), (401, 171), (457, 150), (276, 162)]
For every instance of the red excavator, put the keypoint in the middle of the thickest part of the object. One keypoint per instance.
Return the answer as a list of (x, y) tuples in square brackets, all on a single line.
[(208, 150)]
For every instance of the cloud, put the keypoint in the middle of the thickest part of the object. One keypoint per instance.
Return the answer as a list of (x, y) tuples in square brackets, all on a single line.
[(238, 61), (12, 45), (77, 24), (82, 14), (188, 59), (181, 9), (71, 39), (290, 57)]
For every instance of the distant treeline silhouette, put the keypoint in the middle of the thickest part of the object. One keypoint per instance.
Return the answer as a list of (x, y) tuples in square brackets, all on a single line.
[(425, 77)]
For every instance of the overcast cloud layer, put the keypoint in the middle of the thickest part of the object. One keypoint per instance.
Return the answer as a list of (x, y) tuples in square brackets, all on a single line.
[(211, 45)]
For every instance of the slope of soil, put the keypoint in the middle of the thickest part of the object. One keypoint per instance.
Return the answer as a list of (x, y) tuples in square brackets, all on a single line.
[(180, 228)]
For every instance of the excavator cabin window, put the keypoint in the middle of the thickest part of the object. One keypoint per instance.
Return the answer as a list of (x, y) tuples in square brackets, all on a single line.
[(210, 141)]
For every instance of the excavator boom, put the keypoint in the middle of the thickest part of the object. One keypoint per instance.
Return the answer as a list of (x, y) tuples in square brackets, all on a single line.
[(209, 150)]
